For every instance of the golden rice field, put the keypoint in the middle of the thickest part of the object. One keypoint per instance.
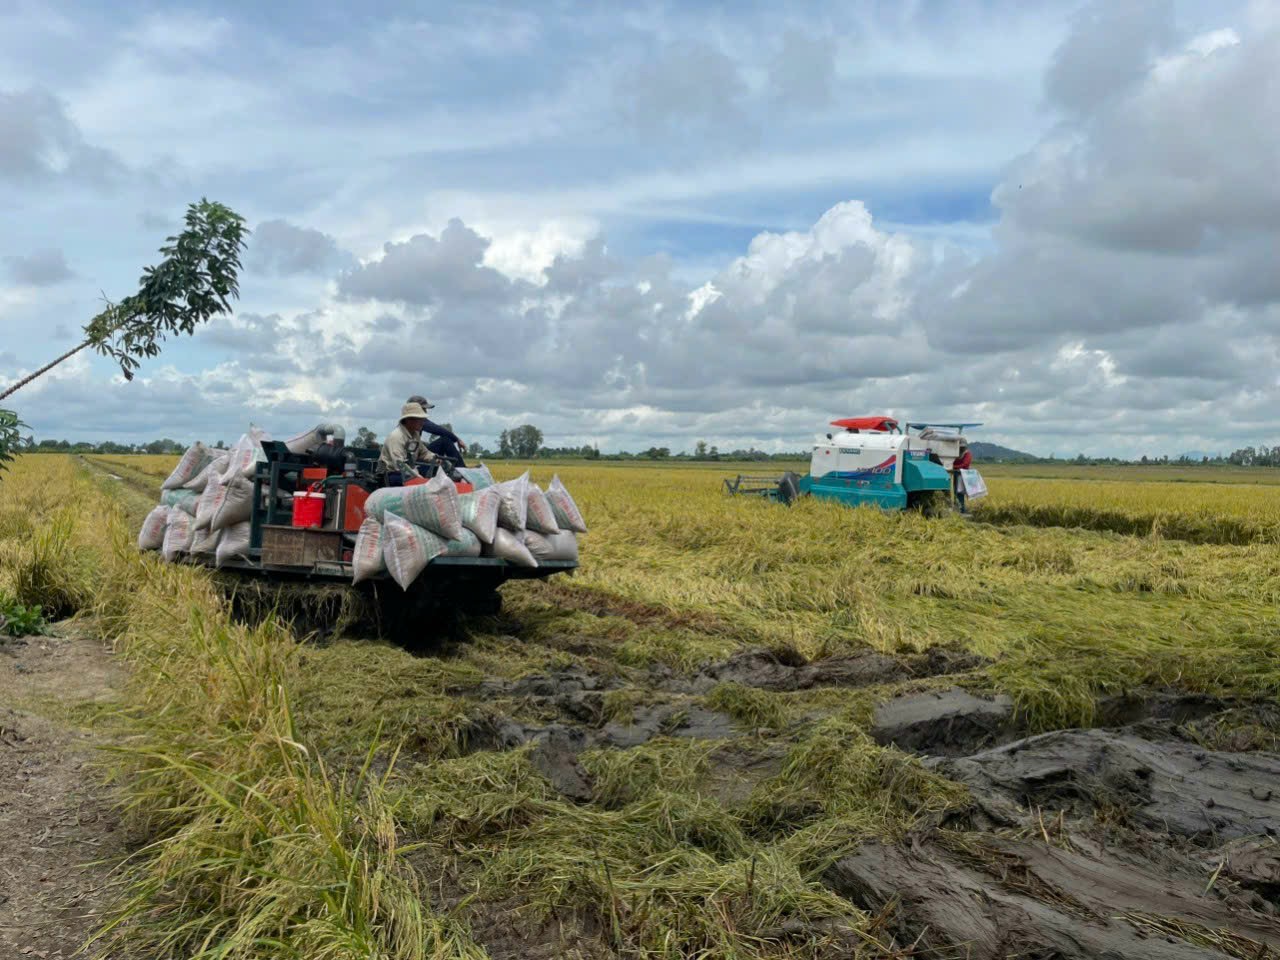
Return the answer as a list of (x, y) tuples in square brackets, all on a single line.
[(350, 799)]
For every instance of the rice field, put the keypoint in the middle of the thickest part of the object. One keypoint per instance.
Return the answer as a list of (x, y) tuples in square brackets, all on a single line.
[(594, 772)]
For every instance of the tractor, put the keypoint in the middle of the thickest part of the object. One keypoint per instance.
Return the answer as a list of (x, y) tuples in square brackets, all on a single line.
[(294, 567), (871, 461)]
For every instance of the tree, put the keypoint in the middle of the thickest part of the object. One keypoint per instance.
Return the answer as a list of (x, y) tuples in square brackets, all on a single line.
[(658, 453), (504, 444), (524, 441), (195, 282), (10, 436), (700, 449), (714, 453), (366, 438)]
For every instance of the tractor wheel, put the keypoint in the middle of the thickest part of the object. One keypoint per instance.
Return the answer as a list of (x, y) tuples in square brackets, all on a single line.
[(788, 488), (482, 604)]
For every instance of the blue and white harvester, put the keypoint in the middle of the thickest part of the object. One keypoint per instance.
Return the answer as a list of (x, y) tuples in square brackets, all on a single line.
[(874, 461)]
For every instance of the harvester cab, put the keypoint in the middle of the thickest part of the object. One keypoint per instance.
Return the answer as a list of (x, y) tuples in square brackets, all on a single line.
[(874, 461)]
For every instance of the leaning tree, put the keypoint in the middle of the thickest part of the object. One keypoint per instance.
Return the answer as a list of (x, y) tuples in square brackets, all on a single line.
[(195, 282)]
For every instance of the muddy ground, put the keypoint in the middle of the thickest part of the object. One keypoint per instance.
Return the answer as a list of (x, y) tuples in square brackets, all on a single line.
[(1155, 834), (56, 821)]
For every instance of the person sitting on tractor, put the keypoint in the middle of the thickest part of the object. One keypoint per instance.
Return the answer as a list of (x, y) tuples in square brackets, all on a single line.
[(405, 455), (962, 462), (447, 445)]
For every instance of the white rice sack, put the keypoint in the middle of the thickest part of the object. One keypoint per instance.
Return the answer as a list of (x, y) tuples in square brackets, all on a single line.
[(479, 477), (568, 516), (507, 546), (193, 461), (232, 504), (211, 471), (206, 501), (234, 542), (151, 536), (407, 548), (432, 505), (245, 455), (366, 558), (468, 545), (303, 441), (204, 543), (555, 546), (539, 516), (479, 512), (177, 535), (514, 507), (184, 500)]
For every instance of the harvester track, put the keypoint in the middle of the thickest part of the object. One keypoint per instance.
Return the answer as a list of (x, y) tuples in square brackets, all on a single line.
[(142, 491)]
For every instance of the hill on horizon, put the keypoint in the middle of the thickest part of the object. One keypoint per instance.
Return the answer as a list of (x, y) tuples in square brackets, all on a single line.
[(994, 451)]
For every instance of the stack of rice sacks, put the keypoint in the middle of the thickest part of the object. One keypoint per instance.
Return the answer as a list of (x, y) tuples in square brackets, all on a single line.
[(205, 504), (405, 528)]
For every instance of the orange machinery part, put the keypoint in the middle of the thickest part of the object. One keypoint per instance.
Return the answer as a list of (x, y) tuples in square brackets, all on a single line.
[(353, 506)]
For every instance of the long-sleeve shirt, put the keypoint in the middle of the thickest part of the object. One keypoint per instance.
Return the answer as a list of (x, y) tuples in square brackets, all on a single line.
[(964, 461), (402, 452), (437, 430)]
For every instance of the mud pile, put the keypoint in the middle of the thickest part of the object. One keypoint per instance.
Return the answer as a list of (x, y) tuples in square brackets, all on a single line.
[(1128, 842)]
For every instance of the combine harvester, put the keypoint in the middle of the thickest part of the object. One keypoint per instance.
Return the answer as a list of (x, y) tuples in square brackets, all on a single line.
[(872, 461)]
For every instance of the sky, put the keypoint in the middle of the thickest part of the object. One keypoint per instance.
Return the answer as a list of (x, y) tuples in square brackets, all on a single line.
[(653, 224)]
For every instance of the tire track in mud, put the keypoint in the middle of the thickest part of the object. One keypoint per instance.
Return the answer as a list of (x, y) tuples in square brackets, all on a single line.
[(1133, 840)]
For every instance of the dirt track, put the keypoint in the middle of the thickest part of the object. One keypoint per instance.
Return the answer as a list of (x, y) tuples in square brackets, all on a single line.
[(55, 818)]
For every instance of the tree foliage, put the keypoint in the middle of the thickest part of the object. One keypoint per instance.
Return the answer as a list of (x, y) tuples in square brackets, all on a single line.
[(196, 281), (526, 440), (10, 437)]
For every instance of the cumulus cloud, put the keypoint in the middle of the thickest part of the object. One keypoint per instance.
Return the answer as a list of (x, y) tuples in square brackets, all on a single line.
[(44, 268), (1112, 45), (39, 141), (282, 248), (1128, 301), (1146, 226)]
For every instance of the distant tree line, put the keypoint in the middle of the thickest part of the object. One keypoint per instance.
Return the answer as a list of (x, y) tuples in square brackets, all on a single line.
[(525, 442)]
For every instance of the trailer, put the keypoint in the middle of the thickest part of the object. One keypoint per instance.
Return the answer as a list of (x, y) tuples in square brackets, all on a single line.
[(284, 554)]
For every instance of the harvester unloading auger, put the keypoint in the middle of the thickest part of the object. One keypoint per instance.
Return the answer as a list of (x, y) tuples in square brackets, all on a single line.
[(872, 461)]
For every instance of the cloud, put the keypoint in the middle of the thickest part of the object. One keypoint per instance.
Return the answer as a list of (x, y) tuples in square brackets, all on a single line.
[(44, 268), (39, 141), (677, 225), (426, 270), (804, 71), (1111, 47), (687, 88), (284, 249)]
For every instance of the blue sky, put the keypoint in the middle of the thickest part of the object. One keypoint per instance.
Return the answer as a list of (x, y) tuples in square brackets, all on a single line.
[(1012, 212)]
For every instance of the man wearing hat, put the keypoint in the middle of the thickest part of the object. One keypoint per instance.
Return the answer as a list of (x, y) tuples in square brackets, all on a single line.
[(405, 453), (447, 445)]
